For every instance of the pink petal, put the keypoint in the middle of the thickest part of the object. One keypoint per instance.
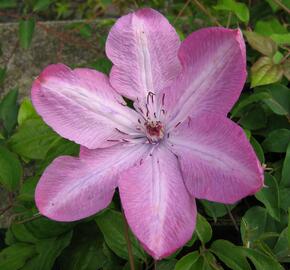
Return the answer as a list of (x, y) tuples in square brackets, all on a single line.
[(74, 188), (157, 206), (143, 48), (213, 74), (81, 106), (217, 161)]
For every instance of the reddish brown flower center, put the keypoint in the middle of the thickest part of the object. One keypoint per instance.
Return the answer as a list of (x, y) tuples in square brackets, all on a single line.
[(154, 131)]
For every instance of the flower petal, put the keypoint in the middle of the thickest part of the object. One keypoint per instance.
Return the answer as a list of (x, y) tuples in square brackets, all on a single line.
[(157, 206), (217, 161), (74, 188), (81, 106), (143, 48), (213, 74)]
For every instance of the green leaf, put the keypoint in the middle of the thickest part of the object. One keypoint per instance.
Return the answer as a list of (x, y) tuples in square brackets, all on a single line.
[(286, 69), (258, 225), (8, 4), (270, 196), (22, 234), (281, 38), (261, 260), (273, 29), (239, 9), (277, 141), (33, 139), (26, 111), (102, 64), (262, 44), (278, 98), (265, 71), (61, 147), (10, 170), (203, 229), (206, 261), (9, 110), (49, 250), (86, 249), (288, 229), (258, 149), (15, 256), (166, 264), (43, 228), (284, 197), (285, 179), (216, 210), (187, 261), (111, 224), (269, 27), (273, 5), (26, 193), (41, 5), (253, 118), (281, 248), (277, 57), (230, 254), (246, 100), (26, 30), (2, 75)]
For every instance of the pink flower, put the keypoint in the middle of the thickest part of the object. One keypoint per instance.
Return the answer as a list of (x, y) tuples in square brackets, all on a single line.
[(177, 145)]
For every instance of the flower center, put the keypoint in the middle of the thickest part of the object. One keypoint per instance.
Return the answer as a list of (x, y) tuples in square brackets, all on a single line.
[(154, 131)]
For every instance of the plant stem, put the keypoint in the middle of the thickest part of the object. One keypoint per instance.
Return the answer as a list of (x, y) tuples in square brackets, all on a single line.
[(129, 246), (181, 11), (232, 218), (229, 19), (281, 5), (202, 8), (155, 265)]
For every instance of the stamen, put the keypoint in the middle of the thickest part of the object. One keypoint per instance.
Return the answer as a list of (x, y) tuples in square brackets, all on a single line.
[(155, 115), (163, 99), (189, 121), (121, 131), (152, 96), (168, 135), (163, 111), (140, 109), (177, 124), (147, 113), (147, 98), (139, 121)]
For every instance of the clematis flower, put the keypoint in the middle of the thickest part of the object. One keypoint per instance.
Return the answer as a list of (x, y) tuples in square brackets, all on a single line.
[(174, 146)]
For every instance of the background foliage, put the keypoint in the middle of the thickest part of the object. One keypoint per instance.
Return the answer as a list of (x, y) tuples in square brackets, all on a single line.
[(252, 234)]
